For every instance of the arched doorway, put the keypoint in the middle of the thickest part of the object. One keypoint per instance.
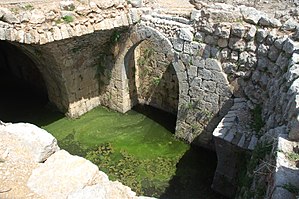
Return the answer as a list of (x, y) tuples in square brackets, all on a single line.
[(153, 85), (23, 90)]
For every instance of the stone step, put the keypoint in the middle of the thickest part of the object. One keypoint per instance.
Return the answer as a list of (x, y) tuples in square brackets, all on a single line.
[(157, 21), (228, 128), (252, 143)]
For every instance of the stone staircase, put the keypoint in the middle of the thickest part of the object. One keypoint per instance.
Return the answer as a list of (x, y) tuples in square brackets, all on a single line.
[(234, 127)]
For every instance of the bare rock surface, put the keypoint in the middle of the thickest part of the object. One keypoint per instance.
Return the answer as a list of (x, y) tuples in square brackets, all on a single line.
[(16, 163), (39, 143), (62, 175)]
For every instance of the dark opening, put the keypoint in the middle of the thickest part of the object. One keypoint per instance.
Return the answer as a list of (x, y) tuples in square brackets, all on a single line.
[(23, 90), (165, 119)]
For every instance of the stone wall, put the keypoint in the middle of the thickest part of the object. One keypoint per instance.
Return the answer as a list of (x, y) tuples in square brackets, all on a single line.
[(223, 51), (76, 82), (156, 80)]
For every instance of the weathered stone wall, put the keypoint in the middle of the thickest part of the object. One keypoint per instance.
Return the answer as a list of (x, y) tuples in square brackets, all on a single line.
[(156, 80), (251, 58), (77, 71), (215, 55)]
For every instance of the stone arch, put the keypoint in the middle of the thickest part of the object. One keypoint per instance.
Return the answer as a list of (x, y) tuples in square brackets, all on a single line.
[(137, 35), (48, 74)]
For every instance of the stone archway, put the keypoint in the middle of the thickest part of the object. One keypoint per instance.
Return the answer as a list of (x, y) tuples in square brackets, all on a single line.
[(146, 70), (137, 35), (37, 65), (23, 85)]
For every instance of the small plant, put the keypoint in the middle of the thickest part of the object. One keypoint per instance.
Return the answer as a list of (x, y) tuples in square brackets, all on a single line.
[(291, 188), (115, 37), (67, 19), (28, 7), (189, 106), (15, 10), (156, 81), (293, 156)]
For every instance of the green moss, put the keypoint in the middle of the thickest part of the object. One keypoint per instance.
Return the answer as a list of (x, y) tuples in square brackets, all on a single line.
[(129, 147), (28, 7), (68, 19)]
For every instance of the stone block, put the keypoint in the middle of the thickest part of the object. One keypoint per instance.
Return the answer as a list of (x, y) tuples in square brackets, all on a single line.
[(49, 37), (192, 71), (208, 85), (269, 22), (199, 36), (2, 34), (290, 46), (250, 14), (273, 53), (290, 25), (250, 46), (220, 132), (212, 40), (251, 33), (37, 17), (280, 42), (213, 64), (223, 31), (238, 30), (67, 5), (282, 61), (293, 127), (222, 43), (56, 33), (195, 15), (262, 50), (261, 34), (212, 98), (236, 43), (185, 34)]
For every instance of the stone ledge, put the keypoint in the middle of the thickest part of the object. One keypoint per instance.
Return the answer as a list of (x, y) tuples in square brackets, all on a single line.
[(230, 129), (286, 173)]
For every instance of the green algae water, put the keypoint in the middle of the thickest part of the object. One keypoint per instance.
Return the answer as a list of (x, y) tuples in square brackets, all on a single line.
[(132, 148)]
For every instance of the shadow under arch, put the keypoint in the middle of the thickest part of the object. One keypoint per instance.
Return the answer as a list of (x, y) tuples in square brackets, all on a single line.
[(24, 86)]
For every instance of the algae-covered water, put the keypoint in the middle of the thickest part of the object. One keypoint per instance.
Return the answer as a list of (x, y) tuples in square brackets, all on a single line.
[(132, 148)]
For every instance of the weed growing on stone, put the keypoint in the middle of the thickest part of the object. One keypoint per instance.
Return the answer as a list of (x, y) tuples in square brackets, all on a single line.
[(293, 156), (28, 7), (15, 10), (115, 37), (156, 81), (67, 19)]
